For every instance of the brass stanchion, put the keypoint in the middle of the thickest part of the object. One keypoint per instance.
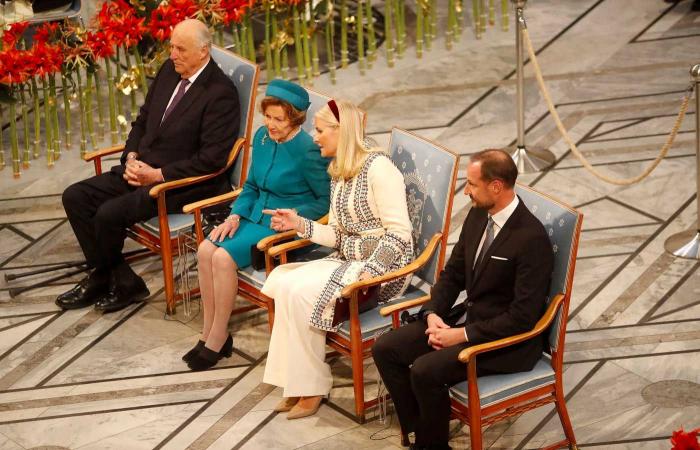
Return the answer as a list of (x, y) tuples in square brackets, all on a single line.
[(527, 159), (687, 243)]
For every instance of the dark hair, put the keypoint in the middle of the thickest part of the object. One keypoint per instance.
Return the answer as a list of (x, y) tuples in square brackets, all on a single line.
[(295, 116), (496, 164)]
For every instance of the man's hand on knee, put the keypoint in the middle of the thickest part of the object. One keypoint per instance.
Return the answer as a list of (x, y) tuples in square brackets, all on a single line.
[(138, 173), (440, 335)]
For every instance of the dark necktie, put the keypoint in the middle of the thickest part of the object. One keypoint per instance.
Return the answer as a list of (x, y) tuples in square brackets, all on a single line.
[(487, 242), (178, 96)]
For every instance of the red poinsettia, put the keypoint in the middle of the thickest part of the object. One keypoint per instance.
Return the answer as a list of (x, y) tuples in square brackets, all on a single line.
[(13, 67), (48, 31), (13, 34), (100, 43), (682, 440), (234, 10), (166, 16)]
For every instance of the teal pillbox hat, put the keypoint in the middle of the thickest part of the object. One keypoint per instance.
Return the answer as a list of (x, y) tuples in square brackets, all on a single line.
[(290, 92)]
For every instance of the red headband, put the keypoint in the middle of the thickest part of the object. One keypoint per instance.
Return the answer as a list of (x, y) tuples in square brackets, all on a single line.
[(334, 109)]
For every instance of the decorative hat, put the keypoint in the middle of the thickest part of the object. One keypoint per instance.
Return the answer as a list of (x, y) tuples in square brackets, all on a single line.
[(290, 92)]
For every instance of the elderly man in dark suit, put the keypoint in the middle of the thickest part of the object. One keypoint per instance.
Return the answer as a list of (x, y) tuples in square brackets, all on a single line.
[(185, 128), (503, 260)]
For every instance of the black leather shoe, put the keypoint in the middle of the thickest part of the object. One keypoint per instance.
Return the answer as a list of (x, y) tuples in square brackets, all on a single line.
[(120, 296), (189, 355), (83, 294), (207, 358)]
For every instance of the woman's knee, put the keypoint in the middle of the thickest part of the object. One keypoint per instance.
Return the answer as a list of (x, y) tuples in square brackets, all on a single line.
[(221, 260), (205, 251)]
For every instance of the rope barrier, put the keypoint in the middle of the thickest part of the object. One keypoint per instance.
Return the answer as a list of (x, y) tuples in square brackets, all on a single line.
[(555, 115)]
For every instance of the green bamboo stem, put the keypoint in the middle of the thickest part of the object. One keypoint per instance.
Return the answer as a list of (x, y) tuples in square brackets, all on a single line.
[(81, 113), (132, 94), (504, 15), (26, 156), (420, 14), (114, 134), (371, 37), (400, 27), (251, 42), (449, 34), (244, 39), (37, 118), (100, 103), (48, 123), (285, 63), (476, 14), (427, 25), (66, 107), (236, 39), (269, 69), (54, 118), (330, 48), (492, 12), (88, 110), (483, 16), (298, 46), (315, 60), (142, 71), (459, 18), (13, 140), (277, 55), (119, 95), (344, 60), (220, 36), (360, 27), (2, 139), (433, 18), (305, 42), (388, 33)]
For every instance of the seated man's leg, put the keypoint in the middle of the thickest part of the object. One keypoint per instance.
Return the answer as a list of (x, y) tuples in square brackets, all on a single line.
[(394, 353), (111, 221), (431, 377), (81, 201)]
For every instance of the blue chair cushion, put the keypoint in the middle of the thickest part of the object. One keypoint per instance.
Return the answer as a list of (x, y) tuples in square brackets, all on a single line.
[(372, 323), (496, 388), (257, 277), (176, 222)]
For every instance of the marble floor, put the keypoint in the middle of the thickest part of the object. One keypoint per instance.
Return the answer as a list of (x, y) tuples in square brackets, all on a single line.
[(616, 70)]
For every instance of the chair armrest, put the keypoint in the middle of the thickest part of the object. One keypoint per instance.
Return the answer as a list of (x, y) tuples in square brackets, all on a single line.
[(402, 272), (267, 242), (89, 156), (398, 307), (211, 201), (468, 355), (281, 249)]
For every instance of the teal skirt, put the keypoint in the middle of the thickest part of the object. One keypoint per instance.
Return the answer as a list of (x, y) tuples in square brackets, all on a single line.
[(238, 246)]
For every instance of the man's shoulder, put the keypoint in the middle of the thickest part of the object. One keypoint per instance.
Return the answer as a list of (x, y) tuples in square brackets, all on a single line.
[(218, 80)]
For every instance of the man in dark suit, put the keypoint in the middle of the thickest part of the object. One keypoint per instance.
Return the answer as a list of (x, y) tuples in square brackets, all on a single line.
[(186, 127), (503, 260)]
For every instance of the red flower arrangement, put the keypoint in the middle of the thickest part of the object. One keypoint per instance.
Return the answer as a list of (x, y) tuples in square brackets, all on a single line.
[(166, 16), (13, 34), (682, 440), (100, 43), (119, 19), (234, 10)]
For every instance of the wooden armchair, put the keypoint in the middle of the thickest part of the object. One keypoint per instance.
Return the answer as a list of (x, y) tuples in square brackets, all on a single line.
[(250, 281), (485, 400), (430, 172), (159, 234)]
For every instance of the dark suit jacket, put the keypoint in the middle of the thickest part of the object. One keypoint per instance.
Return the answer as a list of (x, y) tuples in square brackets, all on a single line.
[(196, 137), (505, 296)]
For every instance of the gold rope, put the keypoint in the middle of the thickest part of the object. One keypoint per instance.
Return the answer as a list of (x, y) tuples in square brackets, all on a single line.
[(552, 110)]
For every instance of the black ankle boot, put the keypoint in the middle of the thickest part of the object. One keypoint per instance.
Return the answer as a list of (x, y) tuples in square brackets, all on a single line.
[(226, 349), (207, 358), (189, 355)]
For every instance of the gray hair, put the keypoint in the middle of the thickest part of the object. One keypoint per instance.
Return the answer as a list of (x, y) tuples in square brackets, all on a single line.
[(199, 31)]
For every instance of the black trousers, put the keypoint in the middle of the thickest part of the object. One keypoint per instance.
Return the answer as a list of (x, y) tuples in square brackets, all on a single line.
[(100, 209), (418, 379)]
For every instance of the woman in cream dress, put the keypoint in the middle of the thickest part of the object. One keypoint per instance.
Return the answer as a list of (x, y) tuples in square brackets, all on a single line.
[(369, 227)]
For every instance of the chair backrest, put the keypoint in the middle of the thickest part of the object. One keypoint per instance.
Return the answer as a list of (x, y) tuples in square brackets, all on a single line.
[(72, 11), (563, 226), (317, 101), (244, 74), (430, 173)]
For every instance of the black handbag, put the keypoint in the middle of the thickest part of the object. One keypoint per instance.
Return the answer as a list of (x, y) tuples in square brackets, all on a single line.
[(257, 257)]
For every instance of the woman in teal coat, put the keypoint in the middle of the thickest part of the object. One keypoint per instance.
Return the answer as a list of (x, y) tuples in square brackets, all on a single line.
[(286, 171)]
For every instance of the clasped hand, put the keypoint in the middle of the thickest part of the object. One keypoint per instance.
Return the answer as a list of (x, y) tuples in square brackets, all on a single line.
[(138, 173), (440, 335)]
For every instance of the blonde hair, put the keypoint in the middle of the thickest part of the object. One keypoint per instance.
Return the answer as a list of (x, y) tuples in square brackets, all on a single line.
[(352, 151)]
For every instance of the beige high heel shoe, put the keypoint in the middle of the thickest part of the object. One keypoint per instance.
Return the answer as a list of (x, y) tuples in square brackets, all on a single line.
[(286, 404), (306, 406)]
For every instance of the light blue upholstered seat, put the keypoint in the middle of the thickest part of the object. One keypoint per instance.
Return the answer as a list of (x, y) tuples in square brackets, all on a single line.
[(429, 173), (563, 225), (243, 73), (71, 11)]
